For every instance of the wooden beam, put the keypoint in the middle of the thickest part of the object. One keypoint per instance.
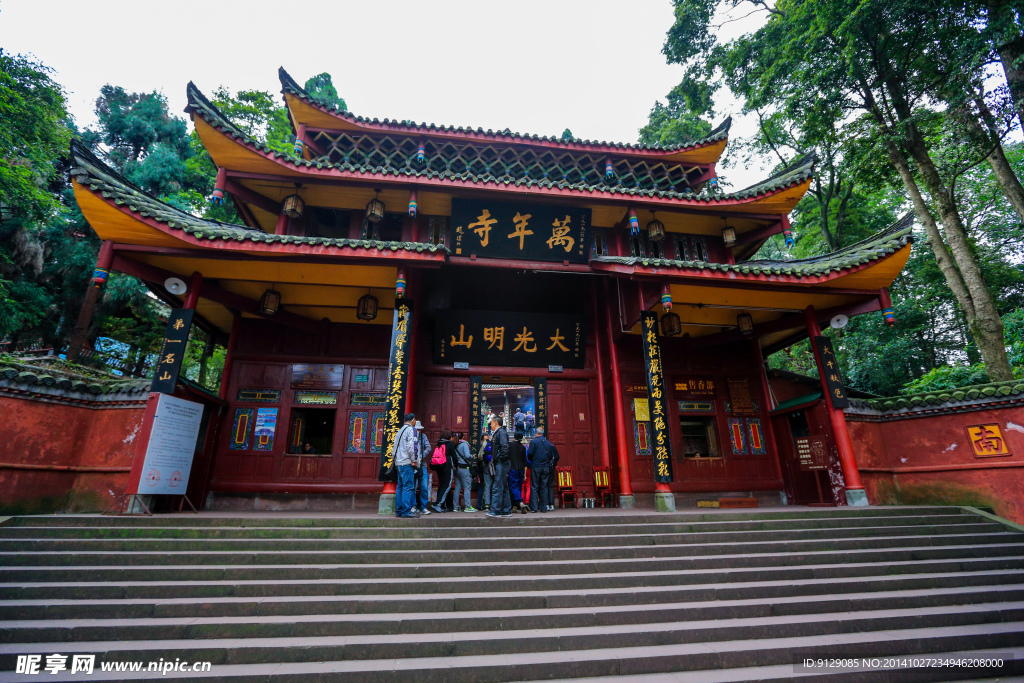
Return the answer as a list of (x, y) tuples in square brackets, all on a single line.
[(251, 196), (220, 255), (758, 234)]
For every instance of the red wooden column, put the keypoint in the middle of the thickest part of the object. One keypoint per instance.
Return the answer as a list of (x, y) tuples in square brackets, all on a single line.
[(855, 494), (282, 224), (626, 499), (602, 402), (766, 396), (391, 487), (195, 285), (229, 355), (92, 294)]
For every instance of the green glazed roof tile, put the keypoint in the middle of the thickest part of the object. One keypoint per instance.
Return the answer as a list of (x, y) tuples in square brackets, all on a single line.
[(942, 397)]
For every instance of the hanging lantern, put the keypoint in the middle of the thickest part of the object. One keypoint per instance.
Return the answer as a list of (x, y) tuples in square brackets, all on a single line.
[(421, 153), (412, 203), (634, 222), (729, 236), (270, 301), (608, 170), (746, 324), (375, 209), (890, 317), (366, 309), (293, 206), (656, 230), (299, 146), (671, 326)]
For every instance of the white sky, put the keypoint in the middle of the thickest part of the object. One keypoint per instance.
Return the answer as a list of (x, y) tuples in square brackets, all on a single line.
[(532, 66)]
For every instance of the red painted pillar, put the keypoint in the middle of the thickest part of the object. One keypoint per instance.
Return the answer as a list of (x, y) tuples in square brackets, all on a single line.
[(602, 402), (621, 441), (92, 294), (855, 494), (766, 396), (282, 224), (229, 355), (194, 287)]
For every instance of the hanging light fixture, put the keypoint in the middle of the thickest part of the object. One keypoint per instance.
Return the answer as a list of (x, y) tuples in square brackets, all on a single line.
[(729, 236), (656, 229), (270, 301), (375, 209), (746, 324), (293, 206), (671, 326), (366, 309)]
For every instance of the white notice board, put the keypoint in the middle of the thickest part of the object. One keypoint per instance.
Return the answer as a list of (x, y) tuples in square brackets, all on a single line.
[(172, 445)]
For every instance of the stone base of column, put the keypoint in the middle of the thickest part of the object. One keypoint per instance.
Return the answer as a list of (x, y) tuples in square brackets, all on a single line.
[(857, 498), (386, 504), (627, 502), (664, 501)]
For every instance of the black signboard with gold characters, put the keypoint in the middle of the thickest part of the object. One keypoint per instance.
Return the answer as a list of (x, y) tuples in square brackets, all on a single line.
[(398, 370), (172, 351), (522, 340), (657, 405), (540, 389), (830, 365), (476, 417), (521, 231)]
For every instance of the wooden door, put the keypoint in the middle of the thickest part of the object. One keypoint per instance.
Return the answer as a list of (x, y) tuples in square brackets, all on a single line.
[(443, 404), (571, 429)]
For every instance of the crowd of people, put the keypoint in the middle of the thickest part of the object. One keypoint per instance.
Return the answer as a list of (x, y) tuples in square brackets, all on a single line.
[(510, 475)]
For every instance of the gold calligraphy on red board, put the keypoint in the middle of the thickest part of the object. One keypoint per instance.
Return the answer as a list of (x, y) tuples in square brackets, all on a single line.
[(987, 441)]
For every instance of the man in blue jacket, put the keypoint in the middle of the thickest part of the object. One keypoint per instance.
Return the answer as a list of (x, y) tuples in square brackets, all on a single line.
[(542, 457)]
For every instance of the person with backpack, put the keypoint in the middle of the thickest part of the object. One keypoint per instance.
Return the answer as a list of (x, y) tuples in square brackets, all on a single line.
[(501, 501), (442, 461), (407, 459), (483, 468), (517, 471), (463, 484), (422, 487), (542, 458), (519, 419)]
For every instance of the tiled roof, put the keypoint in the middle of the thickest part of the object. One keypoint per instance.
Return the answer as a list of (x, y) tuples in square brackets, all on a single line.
[(946, 398), (199, 105), (52, 381), (876, 247), (289, 85), (105, 181)]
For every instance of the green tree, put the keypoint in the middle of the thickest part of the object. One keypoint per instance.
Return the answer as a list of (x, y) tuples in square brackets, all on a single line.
[(683, 118), (321, 88)]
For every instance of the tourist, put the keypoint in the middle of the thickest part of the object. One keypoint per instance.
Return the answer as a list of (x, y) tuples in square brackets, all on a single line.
[(307, 449), (531, 422), (542, 458), (463, 475), (519, 420), (483, 467), (442, 461), (501, 502), (407, 459), (517, 469), (422, 486)]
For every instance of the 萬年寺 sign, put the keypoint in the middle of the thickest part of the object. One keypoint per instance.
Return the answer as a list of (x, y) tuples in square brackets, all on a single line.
[(520, 231), (523, 340)]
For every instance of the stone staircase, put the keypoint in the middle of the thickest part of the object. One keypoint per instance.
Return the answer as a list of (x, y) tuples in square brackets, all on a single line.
[(717, 596)]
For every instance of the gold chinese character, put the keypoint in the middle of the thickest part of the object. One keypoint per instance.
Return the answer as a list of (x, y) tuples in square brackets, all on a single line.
[(652, 338), (839, 393), (169, 358), (662, 469), (521, 231), (178, 324), (560, 235), (495, 335), (655, 366), (483, 226), (834, 378), (165, 376), (468, 343), (557, 341), (659, 423), (522, 340)]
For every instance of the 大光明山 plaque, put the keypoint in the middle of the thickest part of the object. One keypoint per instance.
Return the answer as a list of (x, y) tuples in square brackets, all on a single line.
[(524, 340)]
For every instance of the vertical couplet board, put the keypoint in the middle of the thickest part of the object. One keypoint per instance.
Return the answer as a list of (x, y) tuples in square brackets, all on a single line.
[(657, 399), (172, 351), (541, 396), (475, 393), (830, 368), (398, 369)]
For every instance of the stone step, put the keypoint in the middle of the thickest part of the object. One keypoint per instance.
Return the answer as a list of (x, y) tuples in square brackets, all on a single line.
[(412, 623), (131, 556), (575, 517), (539, 598), (542, 638), (567, 540), (372, 585), (613, 661), (472, 531), (269, 571)]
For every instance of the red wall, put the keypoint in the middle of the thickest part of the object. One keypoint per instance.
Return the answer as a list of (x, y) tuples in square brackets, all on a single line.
[(934, 451), (80, 456)]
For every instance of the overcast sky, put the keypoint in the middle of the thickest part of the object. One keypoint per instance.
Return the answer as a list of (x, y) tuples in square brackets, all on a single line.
[(534, 66)]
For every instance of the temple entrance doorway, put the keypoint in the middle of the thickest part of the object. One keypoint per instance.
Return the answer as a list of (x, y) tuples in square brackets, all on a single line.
[(513, 401)]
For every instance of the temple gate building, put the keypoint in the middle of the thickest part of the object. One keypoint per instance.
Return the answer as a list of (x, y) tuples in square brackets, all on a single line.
[(604, 291)]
